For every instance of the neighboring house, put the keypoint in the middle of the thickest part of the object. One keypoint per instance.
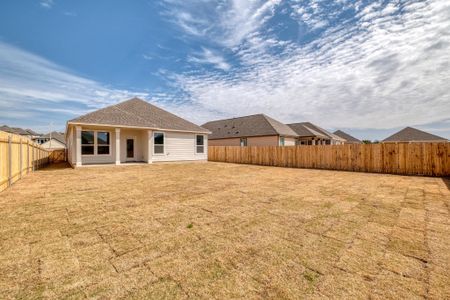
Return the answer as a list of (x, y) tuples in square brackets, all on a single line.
[(53, 141), (133, 131), (348, 138), (27, 133), (254, 130), (413, 135), (310, 134)]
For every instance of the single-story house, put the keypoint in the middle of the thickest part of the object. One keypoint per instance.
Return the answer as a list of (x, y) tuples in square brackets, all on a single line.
[(310, 134), (413, 135), (27, 133), (253, 130), (133, 131), (53, 141), (348, 138)]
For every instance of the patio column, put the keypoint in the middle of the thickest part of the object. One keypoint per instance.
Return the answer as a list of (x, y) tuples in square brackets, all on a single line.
[(78, 146), (117, 146), (149, 147)]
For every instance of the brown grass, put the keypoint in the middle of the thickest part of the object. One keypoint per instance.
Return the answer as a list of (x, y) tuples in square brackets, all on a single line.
[(211, 230)]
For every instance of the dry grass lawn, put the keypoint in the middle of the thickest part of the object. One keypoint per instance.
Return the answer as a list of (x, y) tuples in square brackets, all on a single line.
[(212, 230)]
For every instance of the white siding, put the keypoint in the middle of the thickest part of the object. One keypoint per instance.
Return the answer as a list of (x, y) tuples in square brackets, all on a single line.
[(53, 144), (181, 146)]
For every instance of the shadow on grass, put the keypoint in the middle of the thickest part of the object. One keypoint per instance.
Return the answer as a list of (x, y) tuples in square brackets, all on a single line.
[(55, 167)]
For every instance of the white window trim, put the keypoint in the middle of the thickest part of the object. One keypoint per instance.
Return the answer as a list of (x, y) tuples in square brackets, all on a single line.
[(95, 145), (164, 144), (196, 146)]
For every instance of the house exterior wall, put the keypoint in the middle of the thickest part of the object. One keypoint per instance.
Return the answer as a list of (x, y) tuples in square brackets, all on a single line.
[(53, 144), (263, 141), (178, 146), (272, 140), (288, 141), (225, 142)]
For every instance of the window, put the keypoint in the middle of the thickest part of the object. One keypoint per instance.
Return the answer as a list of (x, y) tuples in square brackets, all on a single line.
[(158, 143), (95, 143), (281, 140), (87, 142), (103, 143), (200, 144)]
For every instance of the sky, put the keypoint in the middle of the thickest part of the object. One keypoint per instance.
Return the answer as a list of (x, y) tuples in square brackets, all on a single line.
[(369, 68)]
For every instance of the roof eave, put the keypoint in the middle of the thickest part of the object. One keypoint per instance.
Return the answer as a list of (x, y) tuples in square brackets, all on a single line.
[(138, 127)]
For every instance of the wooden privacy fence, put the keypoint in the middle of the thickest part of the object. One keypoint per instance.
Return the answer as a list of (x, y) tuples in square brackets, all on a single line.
[(431, 159), (59, 155), (18, 157)]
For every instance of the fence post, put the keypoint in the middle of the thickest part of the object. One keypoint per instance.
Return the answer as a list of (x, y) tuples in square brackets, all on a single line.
[(32, 158), (20, 160), (28, 157), (9, 161)]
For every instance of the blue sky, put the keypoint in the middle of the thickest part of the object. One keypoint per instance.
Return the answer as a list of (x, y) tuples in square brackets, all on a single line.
[(366, 67)]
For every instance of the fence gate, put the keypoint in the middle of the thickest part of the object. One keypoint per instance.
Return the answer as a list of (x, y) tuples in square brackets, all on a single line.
[(58, 156)]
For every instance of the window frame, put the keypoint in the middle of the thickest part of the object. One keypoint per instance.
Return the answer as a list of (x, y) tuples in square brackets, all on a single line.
[(243, 142), (282, 139), (163, 144), (197, 145), (96, 144)]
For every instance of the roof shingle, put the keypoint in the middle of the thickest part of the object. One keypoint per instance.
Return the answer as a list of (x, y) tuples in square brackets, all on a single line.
[(247, 126), (138, 113), (347, 137), (410, 134)]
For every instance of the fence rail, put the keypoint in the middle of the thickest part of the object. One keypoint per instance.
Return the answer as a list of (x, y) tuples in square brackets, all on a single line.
[(430, 159), (18, 157)]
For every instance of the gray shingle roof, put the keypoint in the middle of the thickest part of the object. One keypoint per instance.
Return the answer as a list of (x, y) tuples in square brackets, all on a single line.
[(410, 134), (14, 130), (138, 113), (247, 126), (347, 137), (307, 129), (57, 136)]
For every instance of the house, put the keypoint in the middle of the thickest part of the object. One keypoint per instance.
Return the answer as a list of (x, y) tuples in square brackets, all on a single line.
[(27, 133), (253, 130), (53, 141), (348, 138), (413, 135), (310, 134), (133, 131)]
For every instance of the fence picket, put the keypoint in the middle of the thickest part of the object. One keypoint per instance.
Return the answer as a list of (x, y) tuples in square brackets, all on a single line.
[(431, 159)]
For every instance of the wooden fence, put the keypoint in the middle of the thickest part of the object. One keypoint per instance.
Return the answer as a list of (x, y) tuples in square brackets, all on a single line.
[(430, 159), (59, 155), (18, 157)]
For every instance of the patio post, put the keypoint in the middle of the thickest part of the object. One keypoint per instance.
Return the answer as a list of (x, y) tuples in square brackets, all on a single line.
[(149, 146), (78, 146), (117, 146)]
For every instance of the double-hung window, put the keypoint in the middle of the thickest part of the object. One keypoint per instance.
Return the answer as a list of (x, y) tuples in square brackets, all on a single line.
[(158, 143), (95, 143), (243, 142), (281, 140), (200, 144), (87, 142)]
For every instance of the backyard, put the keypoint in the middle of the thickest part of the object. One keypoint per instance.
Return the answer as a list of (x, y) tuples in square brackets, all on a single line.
[(216, 230)]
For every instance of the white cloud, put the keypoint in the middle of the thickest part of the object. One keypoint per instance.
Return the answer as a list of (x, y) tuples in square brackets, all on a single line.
[(30, 85), (47, 3), (228, 23), (209, 57), (377, 70)]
